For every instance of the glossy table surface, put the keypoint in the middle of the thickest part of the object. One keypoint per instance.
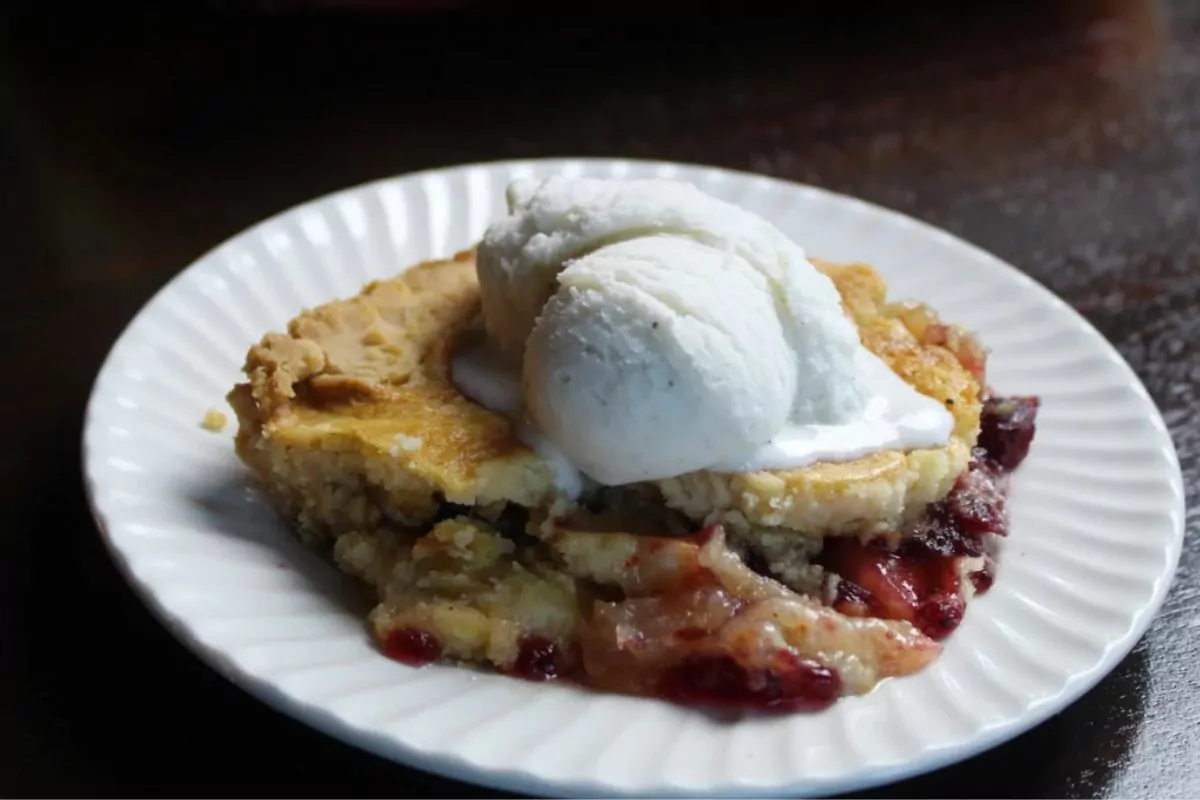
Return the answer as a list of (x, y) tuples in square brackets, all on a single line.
[(1063, 136)]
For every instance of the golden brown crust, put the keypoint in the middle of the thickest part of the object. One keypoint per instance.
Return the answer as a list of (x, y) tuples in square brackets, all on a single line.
[(350, 418), (392, 335)]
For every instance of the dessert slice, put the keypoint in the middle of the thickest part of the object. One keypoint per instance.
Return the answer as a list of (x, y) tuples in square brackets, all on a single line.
[(763, 580), (352, 427)]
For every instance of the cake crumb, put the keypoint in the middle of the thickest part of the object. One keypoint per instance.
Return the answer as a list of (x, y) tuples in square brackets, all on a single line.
[(214, 421), (409, 444)]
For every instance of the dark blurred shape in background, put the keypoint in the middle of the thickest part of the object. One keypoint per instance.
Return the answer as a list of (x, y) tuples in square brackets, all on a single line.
[(883, 99)]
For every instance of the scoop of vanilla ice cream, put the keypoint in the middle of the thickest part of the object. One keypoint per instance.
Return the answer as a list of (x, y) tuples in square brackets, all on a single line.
[(554, 221), (660, 330), (656, 356)]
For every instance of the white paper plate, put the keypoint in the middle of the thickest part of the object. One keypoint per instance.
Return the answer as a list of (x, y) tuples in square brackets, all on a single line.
[(1096, 530)]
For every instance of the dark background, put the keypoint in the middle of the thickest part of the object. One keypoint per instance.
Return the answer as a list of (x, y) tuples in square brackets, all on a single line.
[(1063, 136)]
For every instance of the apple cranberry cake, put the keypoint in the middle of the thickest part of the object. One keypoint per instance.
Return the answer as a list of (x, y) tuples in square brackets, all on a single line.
[(770, 589)]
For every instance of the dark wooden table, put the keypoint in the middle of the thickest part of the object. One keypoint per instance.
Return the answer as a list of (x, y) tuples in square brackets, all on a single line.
[(1063, 136)]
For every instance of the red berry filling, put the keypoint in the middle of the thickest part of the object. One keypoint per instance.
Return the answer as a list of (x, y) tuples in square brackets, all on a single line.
[(982, 579), (537, 659), (788, 684), (939, 614), (1007, 427), (412, 646), (919, 581), (911, 583)]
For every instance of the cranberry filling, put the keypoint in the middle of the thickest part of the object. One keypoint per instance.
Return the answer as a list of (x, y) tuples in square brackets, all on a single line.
[(919, 581), (537, 659), (913, 583), (854, 600), (412, 646), (690, 634), (982, 579), (789, 684), (939, 614), (1006, 430)]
